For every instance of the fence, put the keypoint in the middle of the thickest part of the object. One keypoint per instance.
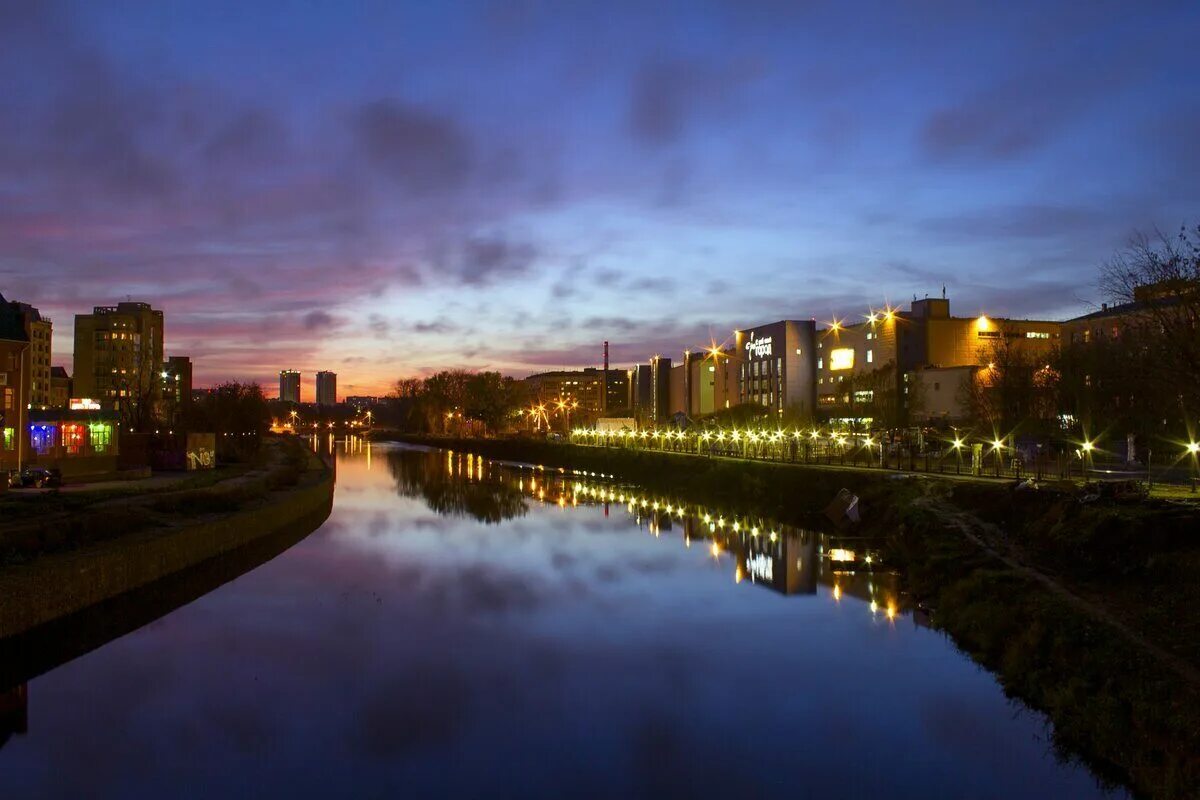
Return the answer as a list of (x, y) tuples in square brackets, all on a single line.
[(980, 459)]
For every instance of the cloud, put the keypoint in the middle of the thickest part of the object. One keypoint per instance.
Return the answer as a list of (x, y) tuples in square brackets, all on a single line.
[(421, 150), (667, 95), (483, 259), (434, 326), (317, 320), (251, 135), (1020, 114)]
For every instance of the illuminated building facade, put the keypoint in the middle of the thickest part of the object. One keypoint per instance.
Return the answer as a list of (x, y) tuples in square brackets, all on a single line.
[(326, 388), (775, 367), (289, 385), (582, 386), (77, 442), (119, 356), (867, 370)]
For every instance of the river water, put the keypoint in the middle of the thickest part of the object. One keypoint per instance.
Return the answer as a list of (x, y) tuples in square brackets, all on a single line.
[(465, 628)]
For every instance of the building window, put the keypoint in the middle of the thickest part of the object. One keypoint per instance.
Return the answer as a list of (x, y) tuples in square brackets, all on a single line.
[(10, 434), (41, 438), (820, 363), (72, 436), (870, 356), (100, 435)]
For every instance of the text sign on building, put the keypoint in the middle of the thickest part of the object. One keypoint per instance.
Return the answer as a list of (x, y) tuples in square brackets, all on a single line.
[(841, 358), (758, 348), (84, 404)]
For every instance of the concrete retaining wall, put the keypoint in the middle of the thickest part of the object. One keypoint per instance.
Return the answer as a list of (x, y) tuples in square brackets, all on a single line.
[(52, 587)]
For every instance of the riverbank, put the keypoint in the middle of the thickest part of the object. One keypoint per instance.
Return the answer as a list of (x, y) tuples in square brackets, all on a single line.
[(75, 554), (1086, 611)]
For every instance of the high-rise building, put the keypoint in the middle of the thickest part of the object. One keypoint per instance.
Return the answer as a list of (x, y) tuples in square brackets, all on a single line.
[(289, 385), (327, 388), (40, 330), (176, 379), (119, 357)]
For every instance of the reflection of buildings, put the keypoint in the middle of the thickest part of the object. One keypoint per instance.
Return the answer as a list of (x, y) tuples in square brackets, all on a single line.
[(14, 712), (783, 558)]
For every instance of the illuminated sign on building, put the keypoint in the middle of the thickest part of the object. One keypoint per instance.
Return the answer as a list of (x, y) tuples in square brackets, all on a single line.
[(84, 404), (841, 358), (758, 348)]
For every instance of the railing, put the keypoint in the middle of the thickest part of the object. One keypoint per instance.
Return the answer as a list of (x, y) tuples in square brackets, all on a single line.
[(988, 461)]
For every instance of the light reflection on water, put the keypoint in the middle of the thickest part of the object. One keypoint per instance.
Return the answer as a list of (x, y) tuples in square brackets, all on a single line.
[(464, 627)]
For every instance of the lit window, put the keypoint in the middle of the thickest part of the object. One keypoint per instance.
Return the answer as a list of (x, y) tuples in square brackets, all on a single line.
[(870, 356), (841, 358)]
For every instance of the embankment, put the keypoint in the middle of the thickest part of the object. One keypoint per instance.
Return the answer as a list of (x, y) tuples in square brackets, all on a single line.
[(68, 572)]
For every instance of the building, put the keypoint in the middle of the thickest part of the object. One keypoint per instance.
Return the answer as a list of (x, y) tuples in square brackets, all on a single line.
[(570, 386), (650, 391), (289, 385), (362, 402), (119, 358), (60, 388), (176, 388), (326, 388), (617, 401), (866, 370), (711, 380), (40, 331), (75, 441), (14, 387), (775, 367)]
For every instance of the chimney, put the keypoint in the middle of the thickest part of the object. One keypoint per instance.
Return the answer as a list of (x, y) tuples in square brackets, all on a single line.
[(604, 383)]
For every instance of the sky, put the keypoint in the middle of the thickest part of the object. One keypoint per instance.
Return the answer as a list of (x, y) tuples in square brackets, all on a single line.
[(389, 189)]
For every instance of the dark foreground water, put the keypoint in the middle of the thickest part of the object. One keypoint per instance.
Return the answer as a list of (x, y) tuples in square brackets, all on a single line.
[(461, 628)]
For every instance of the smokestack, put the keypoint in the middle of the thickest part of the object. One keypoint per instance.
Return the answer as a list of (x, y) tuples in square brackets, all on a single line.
[(604, 383)]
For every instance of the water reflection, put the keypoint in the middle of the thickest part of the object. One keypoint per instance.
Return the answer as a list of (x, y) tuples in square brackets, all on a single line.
[(462, 627), (454, 484), (782, 558)]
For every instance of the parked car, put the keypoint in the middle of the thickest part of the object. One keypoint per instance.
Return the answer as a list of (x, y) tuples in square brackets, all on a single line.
[(38, 477)]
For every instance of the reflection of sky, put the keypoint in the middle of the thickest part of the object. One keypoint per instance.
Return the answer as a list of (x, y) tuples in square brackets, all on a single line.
[(406, 186), (556, 654)]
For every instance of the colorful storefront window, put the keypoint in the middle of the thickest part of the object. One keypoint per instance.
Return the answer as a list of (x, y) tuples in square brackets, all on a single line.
[(41, 438), (100, 434), (9, 440), (72, 437)]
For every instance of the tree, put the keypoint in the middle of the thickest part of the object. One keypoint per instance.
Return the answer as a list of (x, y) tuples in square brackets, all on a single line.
[(1160, 277), (238, 414), (1015, 392)]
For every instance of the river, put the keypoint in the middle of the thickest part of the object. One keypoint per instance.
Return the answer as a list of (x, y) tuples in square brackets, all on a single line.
[(462, 628)]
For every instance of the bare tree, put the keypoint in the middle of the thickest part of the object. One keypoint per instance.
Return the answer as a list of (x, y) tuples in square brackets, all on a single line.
[(1160, 277)]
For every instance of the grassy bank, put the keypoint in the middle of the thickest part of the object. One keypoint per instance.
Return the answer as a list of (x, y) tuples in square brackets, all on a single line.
[(41, 524), (55, 570), (1086, 611)]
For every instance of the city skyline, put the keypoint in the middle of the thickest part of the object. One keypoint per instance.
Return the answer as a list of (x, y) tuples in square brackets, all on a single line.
[(399, 190)]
